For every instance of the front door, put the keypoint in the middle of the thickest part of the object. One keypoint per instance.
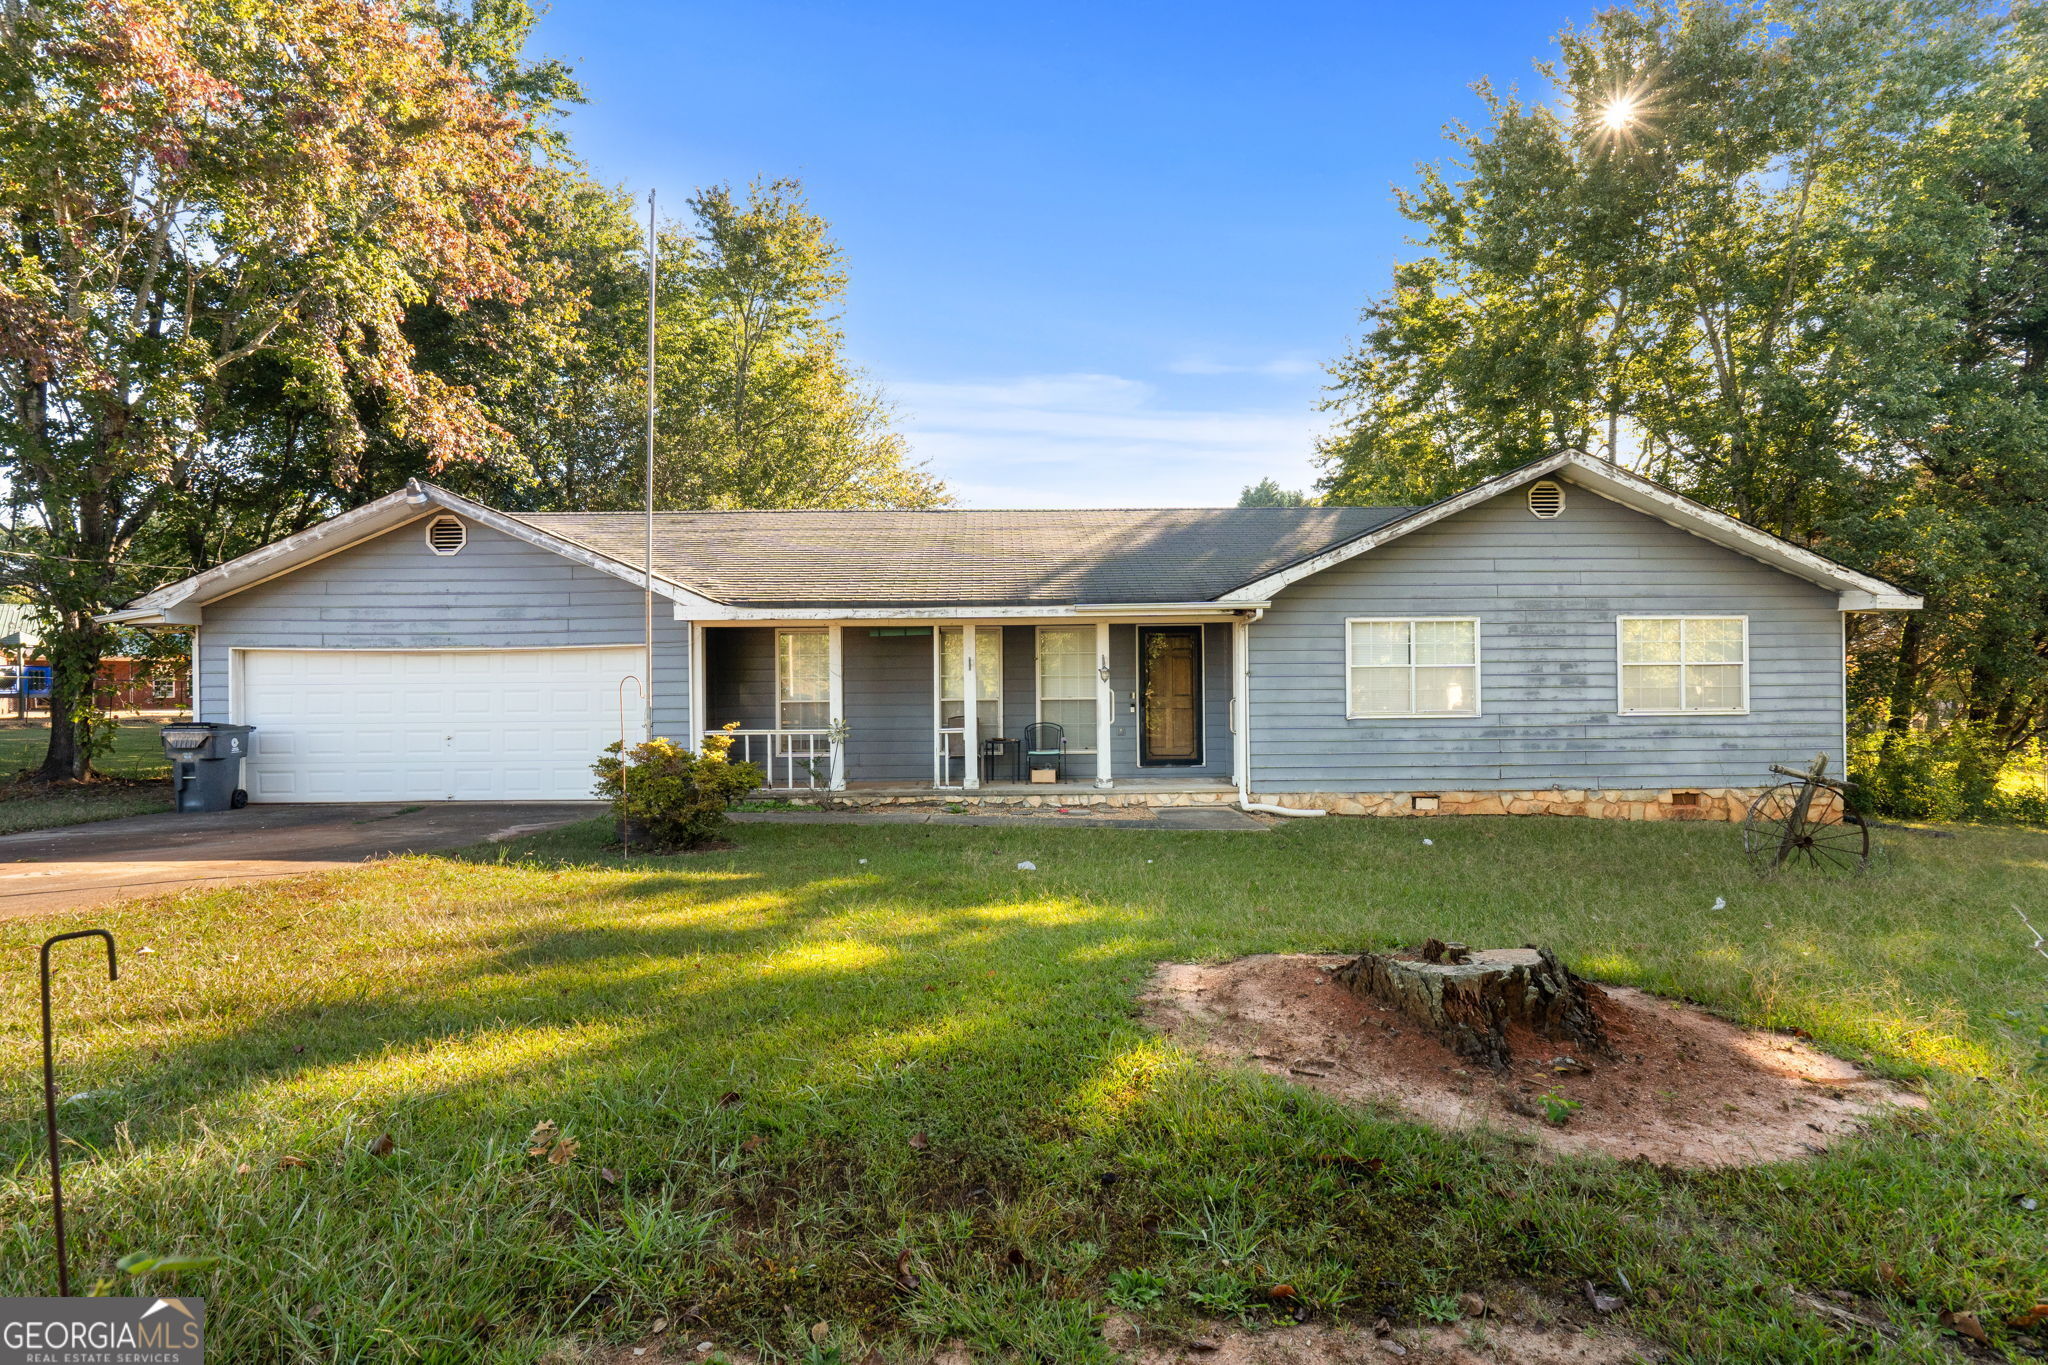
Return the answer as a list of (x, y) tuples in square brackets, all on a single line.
[(1169, 695)]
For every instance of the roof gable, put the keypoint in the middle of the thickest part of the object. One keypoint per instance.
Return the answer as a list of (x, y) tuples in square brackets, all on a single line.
[(1856, 591)]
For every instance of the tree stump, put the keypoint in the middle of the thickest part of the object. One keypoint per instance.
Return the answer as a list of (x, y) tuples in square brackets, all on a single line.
[(1471, 999)]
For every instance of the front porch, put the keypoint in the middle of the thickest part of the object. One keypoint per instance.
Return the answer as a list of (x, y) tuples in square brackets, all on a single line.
[(880, 711)]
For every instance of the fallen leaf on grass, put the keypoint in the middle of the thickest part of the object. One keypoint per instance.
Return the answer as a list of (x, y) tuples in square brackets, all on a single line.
[(564, 1152), (906, 1278), (242, 1168), (1965, 1325), (728, 1099), (608, 1175), (1603, 1303), (918, 1141), (753, 1144), (1888, 1275), (544, 1135), (2030, 1319), (383, 1146), (819, 1331), (286, 1163)]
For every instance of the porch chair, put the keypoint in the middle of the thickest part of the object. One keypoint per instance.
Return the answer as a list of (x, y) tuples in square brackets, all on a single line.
[(1045, 745)]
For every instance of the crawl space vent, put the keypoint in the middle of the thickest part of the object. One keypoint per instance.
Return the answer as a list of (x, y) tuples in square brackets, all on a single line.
[(445, 535), (1546, 498)]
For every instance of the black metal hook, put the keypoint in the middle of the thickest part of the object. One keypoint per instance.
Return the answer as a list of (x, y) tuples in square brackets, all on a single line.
[(50, 1096)]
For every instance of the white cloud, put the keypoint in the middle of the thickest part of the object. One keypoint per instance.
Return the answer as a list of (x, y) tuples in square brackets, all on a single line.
[(1096, 440), (1287, 365)]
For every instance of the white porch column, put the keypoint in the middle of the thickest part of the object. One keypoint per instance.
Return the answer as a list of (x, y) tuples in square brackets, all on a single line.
[(700, 682), (970, 723), (835, 644), (1105, 708), (1241, 707)]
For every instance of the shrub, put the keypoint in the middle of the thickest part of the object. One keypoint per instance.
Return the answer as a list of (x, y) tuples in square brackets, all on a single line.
[(671, 797), (1953, 772)]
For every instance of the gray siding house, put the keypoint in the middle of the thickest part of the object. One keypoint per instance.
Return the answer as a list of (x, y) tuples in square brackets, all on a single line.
[(1569, 637)]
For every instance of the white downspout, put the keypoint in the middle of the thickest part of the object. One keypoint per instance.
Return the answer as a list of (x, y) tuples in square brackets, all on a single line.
[(1241, 702)]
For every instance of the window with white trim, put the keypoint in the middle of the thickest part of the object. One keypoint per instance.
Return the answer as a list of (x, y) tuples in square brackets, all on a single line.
[(1673, 665), (1412, 666), (162, 688), (988, 677), (803, 679), (1066, 683)]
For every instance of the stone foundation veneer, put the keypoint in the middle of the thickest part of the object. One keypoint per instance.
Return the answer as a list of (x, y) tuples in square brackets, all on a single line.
[(1713, 803)]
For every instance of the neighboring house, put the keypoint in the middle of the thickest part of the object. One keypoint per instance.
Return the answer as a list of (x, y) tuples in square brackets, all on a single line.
[(1567, 637), (124, 684)]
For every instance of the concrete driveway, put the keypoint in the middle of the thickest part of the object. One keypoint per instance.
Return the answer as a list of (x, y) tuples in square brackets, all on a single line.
[(50, 870)]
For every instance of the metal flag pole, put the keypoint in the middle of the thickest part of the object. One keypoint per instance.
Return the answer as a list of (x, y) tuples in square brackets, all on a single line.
[(653, 253)]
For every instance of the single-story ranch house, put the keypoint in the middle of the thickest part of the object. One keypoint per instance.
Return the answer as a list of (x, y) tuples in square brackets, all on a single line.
[(1568, 637)]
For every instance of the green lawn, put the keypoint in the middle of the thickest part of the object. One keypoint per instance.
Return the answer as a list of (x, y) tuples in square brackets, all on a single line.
[(137, 751), (792, 1068), (140, 782)]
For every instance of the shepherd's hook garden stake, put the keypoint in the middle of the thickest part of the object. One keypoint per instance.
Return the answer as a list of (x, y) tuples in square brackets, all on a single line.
[(50, 1097)]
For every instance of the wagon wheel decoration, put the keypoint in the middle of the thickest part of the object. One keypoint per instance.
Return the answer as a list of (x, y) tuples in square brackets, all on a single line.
[(1808, 822)]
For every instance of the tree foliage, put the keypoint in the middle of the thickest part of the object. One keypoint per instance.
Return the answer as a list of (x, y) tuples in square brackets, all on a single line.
[(195, 199), (261, 260), (1268, 493), (1787, 257)]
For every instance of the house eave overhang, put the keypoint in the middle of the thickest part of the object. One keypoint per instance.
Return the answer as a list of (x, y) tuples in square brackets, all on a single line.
[(182, 603), (1854, 591), (1026, 611)]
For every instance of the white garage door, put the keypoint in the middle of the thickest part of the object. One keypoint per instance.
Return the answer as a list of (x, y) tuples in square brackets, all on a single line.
[(439, 725)]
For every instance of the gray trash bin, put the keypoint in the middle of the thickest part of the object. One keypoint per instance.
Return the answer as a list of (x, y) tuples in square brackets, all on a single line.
[(206, 764)]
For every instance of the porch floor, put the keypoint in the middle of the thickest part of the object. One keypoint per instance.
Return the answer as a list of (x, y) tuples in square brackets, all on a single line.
[(1129, 786)]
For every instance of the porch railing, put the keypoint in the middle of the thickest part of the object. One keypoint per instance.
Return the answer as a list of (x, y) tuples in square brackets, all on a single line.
[(791, 758)]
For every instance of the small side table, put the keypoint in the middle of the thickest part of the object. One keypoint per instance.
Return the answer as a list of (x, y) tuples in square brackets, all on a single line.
[(997, 751)]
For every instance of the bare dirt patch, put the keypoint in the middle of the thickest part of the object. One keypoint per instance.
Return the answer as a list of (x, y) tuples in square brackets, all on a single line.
[(1682, 1088), (1475, 1342)]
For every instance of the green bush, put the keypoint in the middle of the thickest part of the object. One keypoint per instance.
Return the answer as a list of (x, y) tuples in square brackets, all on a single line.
[(670, 797), (1949, 773)]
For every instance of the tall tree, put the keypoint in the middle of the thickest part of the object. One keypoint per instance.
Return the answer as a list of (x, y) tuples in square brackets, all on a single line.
[(1785, 256), (222, 194), (757, 405), (1268, 493)]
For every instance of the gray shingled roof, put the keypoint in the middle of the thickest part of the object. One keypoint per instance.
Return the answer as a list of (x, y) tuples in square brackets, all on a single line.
[(935, 559)]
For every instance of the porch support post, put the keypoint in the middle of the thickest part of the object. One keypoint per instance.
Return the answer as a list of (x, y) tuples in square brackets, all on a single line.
[(835, 641), (970, 723), (1105, 709), (700, 679), (1241, 707)]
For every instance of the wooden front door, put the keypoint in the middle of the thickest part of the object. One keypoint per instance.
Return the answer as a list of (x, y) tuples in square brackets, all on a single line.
[(1169, 695)]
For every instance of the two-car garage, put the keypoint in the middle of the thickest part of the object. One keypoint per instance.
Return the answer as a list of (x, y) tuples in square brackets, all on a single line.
[(431, 725)]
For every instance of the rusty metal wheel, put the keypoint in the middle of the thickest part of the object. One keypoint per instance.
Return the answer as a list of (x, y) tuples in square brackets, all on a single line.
[(1828, 835)]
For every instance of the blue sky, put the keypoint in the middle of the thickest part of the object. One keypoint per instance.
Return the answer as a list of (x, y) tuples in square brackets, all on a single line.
[(1099, 252)]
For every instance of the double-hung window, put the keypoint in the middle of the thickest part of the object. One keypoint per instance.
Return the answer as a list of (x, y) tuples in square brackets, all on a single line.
[(1066, 683), (1412, 666), (1675, 665), (988, 678), (803, 680)]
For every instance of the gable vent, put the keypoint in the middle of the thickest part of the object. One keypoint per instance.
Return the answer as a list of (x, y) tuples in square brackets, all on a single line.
[(1546, 498), (446, 535)]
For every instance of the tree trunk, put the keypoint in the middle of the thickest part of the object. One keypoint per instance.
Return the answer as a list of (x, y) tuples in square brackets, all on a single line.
[(1905, 687), (75, 648), (1472, 1000)]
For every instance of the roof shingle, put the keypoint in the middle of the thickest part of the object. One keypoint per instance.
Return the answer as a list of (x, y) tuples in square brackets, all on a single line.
[(967, 558)]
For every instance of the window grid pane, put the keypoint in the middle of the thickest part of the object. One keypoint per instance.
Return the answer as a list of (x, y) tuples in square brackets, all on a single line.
[(1066, 663), (1414, 668), (1683, 663), (1076, 717)]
